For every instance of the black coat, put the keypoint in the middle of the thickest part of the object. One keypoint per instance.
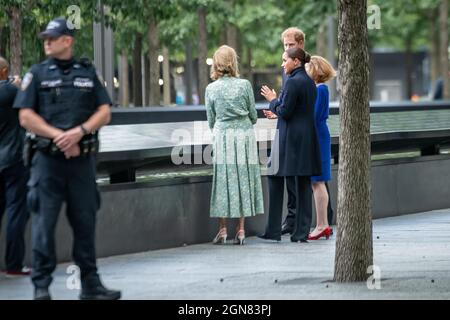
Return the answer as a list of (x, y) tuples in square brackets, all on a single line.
[(11, 134), (296, 146)]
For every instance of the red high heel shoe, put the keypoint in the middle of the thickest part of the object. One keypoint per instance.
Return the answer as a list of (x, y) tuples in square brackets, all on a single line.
[(325, 233)]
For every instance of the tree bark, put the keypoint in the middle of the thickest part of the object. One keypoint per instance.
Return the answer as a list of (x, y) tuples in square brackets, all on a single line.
[(409, 67), (188, 74), (153, 41), (249, 74), (124, 80), (137, 70), (232, 36), (147, 91), (331, 55), (321, 40), (444, 48), (15, 22), (166, 77), (202, 54), (354, 253), (2, 42), (434, 46), (223, 37)]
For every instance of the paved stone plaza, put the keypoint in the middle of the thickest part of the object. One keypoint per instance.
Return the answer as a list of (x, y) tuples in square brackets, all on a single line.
[(412, 252)]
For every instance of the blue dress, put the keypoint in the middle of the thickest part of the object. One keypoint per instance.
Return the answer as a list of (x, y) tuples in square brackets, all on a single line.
[(321, 112)]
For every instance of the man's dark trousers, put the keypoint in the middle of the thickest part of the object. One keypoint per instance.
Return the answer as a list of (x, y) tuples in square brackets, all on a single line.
[(303, 213), (55, 180), (13, 190), (289, 221)]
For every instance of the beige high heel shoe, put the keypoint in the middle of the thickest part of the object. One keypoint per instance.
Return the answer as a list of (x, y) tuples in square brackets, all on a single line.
[(240, 237), (221, 237)]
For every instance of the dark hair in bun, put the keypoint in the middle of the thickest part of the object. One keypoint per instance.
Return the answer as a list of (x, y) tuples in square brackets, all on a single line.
[(300, 54)]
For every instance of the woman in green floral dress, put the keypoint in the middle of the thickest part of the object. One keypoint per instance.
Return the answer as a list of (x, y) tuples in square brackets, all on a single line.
[(231, 112)]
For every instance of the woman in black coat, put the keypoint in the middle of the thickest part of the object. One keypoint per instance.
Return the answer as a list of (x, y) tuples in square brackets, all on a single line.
[(295, 150)]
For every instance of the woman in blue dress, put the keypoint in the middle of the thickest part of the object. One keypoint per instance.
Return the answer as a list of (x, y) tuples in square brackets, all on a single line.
[(321, 71)]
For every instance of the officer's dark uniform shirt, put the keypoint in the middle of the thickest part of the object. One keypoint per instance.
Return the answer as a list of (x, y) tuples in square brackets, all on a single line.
[(64, 93), (11, 134)]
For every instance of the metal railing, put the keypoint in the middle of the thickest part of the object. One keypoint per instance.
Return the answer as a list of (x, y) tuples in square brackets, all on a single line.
[(141, 115)]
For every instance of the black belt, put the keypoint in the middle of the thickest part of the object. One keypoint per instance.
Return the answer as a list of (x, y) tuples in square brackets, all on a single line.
[(88, 145)]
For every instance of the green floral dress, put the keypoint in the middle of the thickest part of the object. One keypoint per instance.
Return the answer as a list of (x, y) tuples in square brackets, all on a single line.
[(231, 112)]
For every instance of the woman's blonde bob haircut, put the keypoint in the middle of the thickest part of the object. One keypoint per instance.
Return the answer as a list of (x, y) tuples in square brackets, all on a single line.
[(225, 62), (320, 70)]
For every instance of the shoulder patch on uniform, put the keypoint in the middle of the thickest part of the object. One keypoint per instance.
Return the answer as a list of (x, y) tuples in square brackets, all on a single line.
[(83, 83), (27, 79)]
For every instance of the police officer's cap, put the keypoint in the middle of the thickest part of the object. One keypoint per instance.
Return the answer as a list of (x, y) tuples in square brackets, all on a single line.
[(56, 28)]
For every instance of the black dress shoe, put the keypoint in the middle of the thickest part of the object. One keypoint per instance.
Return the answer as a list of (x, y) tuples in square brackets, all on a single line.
[(41, 294), (99, 293), (286, 229), (266, 237)]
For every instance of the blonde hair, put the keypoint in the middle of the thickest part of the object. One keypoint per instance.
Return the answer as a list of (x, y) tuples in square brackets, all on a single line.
[(298, 34), (320, 70), (225, 62)]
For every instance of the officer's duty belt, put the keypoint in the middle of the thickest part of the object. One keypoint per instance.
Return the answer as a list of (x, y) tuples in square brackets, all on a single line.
[(88, 145)]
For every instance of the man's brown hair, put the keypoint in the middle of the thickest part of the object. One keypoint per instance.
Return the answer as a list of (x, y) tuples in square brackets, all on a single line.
[(298, 34)]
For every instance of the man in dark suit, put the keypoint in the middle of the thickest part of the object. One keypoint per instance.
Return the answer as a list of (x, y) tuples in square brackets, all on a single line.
[(293, 38), (295, 152), (13, 175)]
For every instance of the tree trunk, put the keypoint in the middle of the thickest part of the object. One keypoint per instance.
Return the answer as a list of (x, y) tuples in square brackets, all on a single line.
[(15, 22), (137, 70), (2, 42), (249, 75), (202, 55), (188, 75), (354, 253), (444, 48), (232, 36), (147, 91), (331, 54), (124, 95), (223, 37), (153, 41), (166, 77), (409, 64), (435, 71), (321, 40)]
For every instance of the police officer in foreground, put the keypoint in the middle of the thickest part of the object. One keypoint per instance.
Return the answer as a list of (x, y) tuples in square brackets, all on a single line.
[(13, 175), (63, 103)]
